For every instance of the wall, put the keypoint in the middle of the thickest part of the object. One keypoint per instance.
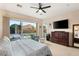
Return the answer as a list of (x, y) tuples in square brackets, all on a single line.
[(73, 18), (5, 26)]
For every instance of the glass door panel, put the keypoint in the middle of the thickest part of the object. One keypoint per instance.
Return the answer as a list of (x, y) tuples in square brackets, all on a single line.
[(15, 29), (28, 29)]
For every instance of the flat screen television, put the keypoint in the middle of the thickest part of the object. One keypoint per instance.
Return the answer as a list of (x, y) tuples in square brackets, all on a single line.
[(62, 24)]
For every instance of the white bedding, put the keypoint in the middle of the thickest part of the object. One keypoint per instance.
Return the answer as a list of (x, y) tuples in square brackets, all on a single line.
[(26, 47)]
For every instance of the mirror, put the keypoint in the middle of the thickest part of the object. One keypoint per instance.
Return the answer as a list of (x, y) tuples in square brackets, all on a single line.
[(76, 35)]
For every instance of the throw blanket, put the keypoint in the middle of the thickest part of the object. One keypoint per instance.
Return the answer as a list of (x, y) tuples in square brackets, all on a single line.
[(26, 47)]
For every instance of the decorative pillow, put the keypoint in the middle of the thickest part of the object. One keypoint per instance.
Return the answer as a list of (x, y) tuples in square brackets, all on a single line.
[(5, 41), (2, 48), (5, 46), (3, 51)]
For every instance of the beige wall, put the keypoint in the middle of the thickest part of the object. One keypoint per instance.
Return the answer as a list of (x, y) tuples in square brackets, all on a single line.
[(73, 18), (5, 26)]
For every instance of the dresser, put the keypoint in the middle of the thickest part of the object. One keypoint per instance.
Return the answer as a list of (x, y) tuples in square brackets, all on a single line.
[(60, 37)]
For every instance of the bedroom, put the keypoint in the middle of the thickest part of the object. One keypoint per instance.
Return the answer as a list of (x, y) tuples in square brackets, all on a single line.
[(24, 12)]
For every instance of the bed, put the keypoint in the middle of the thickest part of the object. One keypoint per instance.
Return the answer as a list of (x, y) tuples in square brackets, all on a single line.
[(25, 47)]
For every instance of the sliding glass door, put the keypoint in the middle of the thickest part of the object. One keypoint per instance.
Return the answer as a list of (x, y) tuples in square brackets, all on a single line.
[(28, 29), (44, 30), (21, 29), (15, 29)]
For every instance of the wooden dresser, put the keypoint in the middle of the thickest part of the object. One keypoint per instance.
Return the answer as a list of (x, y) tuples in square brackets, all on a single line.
[(60, 37)]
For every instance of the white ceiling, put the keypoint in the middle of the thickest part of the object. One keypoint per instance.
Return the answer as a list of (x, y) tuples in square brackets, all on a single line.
[(56, 9)]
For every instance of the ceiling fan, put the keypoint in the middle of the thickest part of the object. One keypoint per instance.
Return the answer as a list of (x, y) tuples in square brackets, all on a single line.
[(41, 8)]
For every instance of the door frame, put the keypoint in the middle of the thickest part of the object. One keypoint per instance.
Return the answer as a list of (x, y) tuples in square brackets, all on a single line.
[(73, 32)]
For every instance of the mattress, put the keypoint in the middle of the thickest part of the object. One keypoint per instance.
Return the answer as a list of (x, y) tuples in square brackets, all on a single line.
[(26, 47)]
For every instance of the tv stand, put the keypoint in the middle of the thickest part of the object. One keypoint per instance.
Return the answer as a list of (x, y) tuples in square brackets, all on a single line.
[(60, 37)]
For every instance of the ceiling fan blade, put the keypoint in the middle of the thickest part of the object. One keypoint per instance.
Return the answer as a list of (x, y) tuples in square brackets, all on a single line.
[(35, 7), (43, 11), (37, 11), (46, 7)]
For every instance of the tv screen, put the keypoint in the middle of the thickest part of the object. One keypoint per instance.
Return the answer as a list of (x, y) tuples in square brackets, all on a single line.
[(63, 24)]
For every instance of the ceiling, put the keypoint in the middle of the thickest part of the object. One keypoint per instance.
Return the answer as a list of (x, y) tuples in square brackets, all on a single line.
[(55, 10)]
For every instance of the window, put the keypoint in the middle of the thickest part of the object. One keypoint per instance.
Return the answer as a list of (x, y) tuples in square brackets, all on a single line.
[(15, 29), (28, 29), (21, 29), (44, 29)]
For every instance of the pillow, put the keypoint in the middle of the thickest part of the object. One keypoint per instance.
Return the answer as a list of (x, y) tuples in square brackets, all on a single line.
[(5, 41), (3, 51), (3, 44)]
